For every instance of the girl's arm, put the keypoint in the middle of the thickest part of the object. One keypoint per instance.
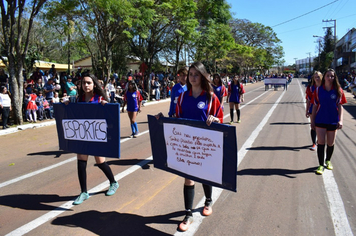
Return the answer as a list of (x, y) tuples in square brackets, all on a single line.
[(312, 117), (341, 116), (307, 109)]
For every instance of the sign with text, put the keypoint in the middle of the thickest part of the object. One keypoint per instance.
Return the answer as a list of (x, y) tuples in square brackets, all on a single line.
[(85, 130), (191, 149), (91, 129)]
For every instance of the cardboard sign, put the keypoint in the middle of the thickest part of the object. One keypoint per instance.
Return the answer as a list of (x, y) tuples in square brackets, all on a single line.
[(91, 129), (191, 149)]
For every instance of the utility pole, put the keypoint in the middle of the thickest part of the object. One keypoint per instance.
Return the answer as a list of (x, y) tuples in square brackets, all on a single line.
[(334, 63), (309, 69)]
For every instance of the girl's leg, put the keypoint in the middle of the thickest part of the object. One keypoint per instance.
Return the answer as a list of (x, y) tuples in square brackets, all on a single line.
[(237, 107), (103, 165), (330, 137), (82, 171), (208, 191), (231, 104), (34, 115), (313, 136), (29, 115), (321, 133), (188, 192), (132, 118)]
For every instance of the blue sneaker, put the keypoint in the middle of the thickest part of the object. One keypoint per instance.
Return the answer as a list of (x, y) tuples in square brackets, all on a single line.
[(81, 198), (112, 189)]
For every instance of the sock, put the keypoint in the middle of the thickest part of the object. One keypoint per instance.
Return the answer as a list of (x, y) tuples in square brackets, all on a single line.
[(132, 128), (232, 114), (208, 191), (136, 128), (188, 192), (321, 152), (238, 114), (107, 171), (313, 136), (329, 152), (82, 175)]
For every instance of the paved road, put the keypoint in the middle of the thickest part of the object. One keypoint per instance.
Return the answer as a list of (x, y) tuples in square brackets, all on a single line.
[(278, 191)]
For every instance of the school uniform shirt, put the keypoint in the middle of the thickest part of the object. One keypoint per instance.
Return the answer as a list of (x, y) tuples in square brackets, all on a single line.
[(95, 99), (235, 91), (199, 108), (175, 92), (309, 96), (328, 105), (132, 99), (220, 91)]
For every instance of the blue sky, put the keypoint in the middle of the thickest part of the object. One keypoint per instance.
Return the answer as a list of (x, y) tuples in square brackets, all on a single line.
[(297, 35)]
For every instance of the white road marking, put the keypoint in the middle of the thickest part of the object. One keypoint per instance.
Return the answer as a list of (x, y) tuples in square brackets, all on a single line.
[(52, 166), (66, 206), (336, 205), (198, 218)]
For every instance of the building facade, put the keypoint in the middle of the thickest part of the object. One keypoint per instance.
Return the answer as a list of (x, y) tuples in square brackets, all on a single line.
[(346, 53)]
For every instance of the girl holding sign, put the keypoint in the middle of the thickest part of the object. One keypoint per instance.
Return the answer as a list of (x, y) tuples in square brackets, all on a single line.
[(133, 99), (199, 103), (235, 96), (327, 116), (90, 91)]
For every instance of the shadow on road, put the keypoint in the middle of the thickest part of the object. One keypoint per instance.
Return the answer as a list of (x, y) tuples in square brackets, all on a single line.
[(350, 107), (115, 223), (290, 123), (129, 163), (278, 148), (56, 154), (34, 201), (268, 172)]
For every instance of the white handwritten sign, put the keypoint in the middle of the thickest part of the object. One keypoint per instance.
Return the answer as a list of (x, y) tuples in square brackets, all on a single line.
[(194, 151), (85, 130)]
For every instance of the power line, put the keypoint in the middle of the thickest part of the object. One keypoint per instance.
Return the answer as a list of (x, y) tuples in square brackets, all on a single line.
[(305, 14)]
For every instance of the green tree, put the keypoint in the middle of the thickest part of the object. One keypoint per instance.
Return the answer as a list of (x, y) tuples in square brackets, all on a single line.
[(14, 44), (105, 21), (268, 50), (60, 16), (327, 52), (215, 39)]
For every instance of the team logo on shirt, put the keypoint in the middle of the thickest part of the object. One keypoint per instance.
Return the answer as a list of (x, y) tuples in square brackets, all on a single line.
[(218, 89), (333, 96), (201, 105), (133, 95)]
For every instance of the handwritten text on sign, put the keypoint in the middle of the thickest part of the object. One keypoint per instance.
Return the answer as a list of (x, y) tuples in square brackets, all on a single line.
[(194, 151), (85, 130)]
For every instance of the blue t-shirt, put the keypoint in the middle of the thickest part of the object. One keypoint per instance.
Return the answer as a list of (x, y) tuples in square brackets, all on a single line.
[(235, 91), (327, 104), (49, 95), (133, 99), (198, 108), (176, 91), (220, 91)]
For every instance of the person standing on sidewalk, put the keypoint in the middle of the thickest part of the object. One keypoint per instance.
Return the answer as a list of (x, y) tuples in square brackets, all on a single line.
[(5, 106), (327, 116), (315, 82)]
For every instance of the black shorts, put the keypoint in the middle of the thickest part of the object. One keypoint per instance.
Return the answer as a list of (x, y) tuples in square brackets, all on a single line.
[(328, 127)]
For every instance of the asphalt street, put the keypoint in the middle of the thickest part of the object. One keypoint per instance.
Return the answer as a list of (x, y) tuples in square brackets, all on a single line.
[(278, 192)]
